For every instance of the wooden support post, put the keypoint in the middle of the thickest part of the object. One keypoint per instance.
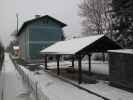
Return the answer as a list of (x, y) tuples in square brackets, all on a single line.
[(73, 63), (89, 61), (46, 60), (58, 64), (103, 54), (80, 68)]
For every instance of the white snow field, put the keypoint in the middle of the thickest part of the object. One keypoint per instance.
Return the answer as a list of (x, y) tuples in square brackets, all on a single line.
[(13, 86)]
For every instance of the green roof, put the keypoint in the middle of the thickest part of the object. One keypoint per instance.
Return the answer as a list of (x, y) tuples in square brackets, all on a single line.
[(36, 19)]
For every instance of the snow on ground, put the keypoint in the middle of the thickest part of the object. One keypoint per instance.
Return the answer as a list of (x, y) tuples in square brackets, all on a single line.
[(101, 87), (96, 66), (55, 89), (108, 91), (13, 88)]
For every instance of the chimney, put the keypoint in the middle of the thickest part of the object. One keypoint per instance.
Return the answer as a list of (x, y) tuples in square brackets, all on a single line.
[(37, 16)]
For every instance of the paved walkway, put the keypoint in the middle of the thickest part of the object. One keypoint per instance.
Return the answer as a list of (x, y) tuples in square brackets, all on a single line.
[(13, 86)]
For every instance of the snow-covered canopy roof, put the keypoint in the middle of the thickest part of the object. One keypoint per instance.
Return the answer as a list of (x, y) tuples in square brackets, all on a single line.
[(125, 51), (74, 46)]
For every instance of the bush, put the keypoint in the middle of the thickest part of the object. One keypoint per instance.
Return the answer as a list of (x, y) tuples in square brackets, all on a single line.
[(21, 62)]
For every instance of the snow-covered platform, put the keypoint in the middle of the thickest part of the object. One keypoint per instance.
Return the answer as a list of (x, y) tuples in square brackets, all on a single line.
[(101, 87), (53, 88), (11, 83)]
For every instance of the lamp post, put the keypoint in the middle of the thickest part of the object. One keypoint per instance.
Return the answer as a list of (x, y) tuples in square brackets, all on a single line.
[(17, 21)]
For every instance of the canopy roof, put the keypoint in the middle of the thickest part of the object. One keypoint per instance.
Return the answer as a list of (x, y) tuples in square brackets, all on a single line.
[(125, 51), (97, 43)]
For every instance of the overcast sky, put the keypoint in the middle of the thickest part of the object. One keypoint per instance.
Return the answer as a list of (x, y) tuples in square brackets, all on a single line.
[(64, 10)]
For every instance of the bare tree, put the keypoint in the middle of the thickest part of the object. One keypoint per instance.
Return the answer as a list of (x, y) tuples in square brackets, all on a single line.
[(97, 19)]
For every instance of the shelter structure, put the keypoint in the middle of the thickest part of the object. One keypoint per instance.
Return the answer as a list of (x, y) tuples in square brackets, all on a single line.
[(121, 68), (79, 48)]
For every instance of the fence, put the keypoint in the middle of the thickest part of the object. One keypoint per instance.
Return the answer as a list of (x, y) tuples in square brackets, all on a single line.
[(30, 81)]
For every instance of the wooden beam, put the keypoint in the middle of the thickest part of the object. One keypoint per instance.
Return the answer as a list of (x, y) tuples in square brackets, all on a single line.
[(46, 60), (80, 69), (58, 64), (89, 63), (103, 57), (73, 63)]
